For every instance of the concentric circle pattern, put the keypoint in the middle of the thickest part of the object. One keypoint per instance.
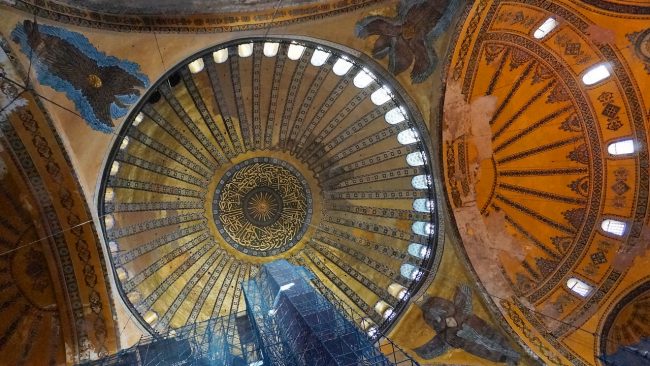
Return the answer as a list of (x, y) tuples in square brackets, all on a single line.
[(265, 149), (262, 206)]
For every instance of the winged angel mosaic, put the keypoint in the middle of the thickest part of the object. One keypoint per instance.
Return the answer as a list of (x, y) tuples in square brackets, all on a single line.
[(457, 327), (101, 87), (408, 38)]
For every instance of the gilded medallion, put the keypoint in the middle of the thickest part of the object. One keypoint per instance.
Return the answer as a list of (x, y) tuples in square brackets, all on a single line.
[(262, 206)]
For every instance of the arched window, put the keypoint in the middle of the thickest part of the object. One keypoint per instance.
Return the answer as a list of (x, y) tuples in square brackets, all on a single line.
[(407, 137), (109, 222), (622, 147), (109, 194), (546, 28), (122, 274), (196, 66), (124, 143), (134, 297), (139, 118), (319, 57), (416, 158), (295, 51), (423, 205), (578, 287), (614, 227), (113, 246), (245, 49), (384, 309), (422, 228), (419, 250), (341, 66), (363, 79), (398, 291), (115, 167), (395, 115), (220, 56), (421, 181), (409, 271), (151, 317), (271, 49), (381, 95), (597, 73)]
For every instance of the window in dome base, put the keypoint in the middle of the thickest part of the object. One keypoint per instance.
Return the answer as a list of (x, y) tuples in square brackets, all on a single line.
[(408, 137), (596, 74), (295, 51), (419, 251), (398, 291), (416, 158), (363, 79), (395, 116), (423, 228), (196, 66), (410, 271), (319, 57), (421, 182), (423, 205), (245, 50), (614, 227), (578, 287), (381, 96), (623, 147), (220, 56), (271, 49), (545, 28), (341, 66)]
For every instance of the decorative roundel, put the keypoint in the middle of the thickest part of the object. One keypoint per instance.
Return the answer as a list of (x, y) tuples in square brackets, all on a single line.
[(262, 206)]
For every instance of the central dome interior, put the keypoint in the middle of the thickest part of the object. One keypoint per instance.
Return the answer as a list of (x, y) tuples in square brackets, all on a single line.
[(262, 149)]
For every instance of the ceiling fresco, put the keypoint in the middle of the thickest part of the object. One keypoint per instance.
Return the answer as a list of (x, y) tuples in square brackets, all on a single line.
[(211, 177), (528, 156), (184, 17), (513, 131), (31, 315), (55, 301), (408, 38)]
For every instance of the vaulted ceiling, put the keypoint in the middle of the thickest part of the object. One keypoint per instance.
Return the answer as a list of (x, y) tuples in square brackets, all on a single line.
[(518, 145), (213, 177)]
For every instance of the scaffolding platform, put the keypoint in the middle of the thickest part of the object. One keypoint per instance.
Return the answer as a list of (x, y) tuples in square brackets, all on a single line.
[(291, 319)]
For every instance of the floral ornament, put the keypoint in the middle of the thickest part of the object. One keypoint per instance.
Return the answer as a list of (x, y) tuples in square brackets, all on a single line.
[(408, 38)]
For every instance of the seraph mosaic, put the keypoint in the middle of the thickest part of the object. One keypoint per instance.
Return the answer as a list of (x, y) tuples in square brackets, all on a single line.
[(101, 87), (408, 38), (457, 326)]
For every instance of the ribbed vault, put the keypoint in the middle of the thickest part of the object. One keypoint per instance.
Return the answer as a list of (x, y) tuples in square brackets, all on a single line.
[(263, 149)]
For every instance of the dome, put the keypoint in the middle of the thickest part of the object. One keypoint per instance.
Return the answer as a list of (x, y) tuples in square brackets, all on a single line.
[(264, 149)]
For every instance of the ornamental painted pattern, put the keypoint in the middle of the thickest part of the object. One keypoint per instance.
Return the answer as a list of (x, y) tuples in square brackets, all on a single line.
[(408, 38), (100, 86), (262, 206)]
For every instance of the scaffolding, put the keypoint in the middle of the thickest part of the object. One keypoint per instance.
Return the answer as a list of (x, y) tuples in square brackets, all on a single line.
[(291, 319)]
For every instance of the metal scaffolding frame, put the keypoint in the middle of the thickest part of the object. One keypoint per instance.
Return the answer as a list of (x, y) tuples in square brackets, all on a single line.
[(291, 319)]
